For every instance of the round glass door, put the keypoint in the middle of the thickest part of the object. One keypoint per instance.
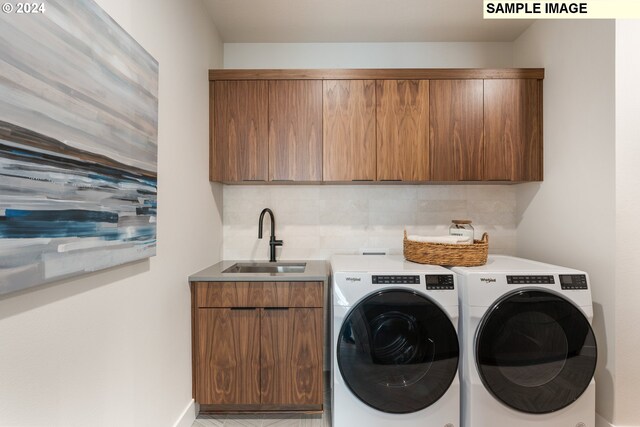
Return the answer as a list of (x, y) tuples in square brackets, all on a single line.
[(535, 351), (397, 351)]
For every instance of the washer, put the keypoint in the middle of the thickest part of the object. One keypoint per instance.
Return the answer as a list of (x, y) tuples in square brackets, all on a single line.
[(529, 353), (394, 343)]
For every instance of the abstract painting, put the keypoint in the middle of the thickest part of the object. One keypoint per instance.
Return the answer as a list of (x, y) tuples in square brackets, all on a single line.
[(78, 145)]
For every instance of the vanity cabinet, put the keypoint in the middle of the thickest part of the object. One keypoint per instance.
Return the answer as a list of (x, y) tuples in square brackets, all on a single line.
[(257, 346), (405, 125)]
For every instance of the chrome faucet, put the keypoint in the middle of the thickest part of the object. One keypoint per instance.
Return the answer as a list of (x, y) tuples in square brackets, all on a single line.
[(272, 241)]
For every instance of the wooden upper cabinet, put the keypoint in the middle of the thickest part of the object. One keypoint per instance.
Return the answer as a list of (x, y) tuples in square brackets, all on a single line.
[(513, 129), (412, 125), (216, 152), (241, 130), (456, 130), (402, 111), (349, 133), (295, 130)]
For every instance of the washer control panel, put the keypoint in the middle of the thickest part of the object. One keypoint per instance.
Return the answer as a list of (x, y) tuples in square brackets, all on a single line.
[(573, 281), (530, 280), (395, 280), (437, 282)]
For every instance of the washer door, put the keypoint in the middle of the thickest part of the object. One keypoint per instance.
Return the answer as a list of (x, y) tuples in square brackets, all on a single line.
[(397, 351), (535, 351)]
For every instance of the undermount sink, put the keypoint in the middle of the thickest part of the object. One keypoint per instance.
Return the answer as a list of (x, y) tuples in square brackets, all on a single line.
[(266, 267)]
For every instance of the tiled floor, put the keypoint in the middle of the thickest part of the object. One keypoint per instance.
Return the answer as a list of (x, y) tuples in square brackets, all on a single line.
[(280, 420), (320, 420)]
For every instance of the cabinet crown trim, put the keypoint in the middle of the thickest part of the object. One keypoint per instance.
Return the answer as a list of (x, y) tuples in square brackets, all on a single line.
[(377, 74)]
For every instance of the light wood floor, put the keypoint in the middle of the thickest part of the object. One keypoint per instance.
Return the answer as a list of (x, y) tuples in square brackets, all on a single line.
[(303, 420)]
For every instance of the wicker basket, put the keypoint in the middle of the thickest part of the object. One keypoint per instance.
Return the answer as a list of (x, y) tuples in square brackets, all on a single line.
[(445, 254)]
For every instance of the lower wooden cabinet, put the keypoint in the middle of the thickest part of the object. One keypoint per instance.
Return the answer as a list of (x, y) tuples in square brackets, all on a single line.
[(291, 357), (258, 355), (228, 368)]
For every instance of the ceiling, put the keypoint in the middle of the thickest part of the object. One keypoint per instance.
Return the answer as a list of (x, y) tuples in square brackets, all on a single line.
[(306, 21)]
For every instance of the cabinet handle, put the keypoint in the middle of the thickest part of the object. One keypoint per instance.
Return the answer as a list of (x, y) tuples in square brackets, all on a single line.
[(281, 180), (391, 180), (276, 308), (361, 180), (243, 308)]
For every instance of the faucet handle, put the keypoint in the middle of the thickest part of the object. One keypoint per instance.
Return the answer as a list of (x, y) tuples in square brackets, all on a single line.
[(272, 248)]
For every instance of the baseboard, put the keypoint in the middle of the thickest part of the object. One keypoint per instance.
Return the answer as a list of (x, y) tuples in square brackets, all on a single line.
[(188, 416), (602, 422)]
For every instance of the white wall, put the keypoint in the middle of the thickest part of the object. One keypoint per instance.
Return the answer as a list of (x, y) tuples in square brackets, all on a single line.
[(113, 348), (367, 55), (627, 384), (315, 220), (569, 219)]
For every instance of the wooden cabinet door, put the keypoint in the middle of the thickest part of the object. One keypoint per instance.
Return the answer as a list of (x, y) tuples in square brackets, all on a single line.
[(228, 359), (349, 133), (456, 130), (513, 129), (295, 130), (402, 115), (291, 355), (241, 130)]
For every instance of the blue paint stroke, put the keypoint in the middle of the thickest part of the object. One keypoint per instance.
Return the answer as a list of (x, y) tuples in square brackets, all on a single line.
[(75, 215)]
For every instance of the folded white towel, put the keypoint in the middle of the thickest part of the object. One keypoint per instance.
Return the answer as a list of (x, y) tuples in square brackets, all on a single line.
[(451, 240)]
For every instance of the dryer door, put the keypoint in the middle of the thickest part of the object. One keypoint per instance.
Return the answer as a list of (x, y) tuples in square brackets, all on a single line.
[(535, 351), (397, 351)]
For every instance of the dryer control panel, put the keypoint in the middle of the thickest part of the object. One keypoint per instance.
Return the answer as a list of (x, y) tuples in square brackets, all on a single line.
[(395, 280), (530, 280), (573, 281), (436, 282)]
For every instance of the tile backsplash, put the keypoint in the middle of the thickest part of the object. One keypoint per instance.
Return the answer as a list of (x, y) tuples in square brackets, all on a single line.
[(316, 221)]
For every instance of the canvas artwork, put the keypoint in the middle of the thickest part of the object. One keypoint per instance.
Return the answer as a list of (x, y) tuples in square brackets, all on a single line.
[(78, 145)]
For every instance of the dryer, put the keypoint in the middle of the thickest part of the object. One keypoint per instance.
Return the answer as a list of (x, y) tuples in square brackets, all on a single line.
[(529, 353), (394, 343)]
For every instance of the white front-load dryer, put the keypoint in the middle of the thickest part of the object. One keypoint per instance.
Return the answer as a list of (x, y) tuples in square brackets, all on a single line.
[(528, 350), (394, 343)]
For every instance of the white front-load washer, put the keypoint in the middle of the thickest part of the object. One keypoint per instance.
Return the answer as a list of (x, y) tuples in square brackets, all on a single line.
[(394, 343), (528, 350)]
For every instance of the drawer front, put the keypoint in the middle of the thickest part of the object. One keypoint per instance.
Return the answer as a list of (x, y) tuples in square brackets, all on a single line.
[(259, 294), (292, 294), (228, 294)]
